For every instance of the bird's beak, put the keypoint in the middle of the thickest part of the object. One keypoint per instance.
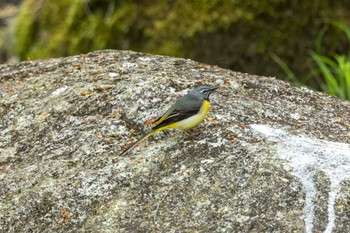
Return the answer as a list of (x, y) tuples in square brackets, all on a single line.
[(214, 88)]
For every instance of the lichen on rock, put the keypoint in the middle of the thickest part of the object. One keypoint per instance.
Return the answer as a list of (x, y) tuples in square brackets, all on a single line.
[(65, 120)]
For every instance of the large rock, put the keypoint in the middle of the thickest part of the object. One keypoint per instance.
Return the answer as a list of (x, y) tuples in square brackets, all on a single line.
[(270, 157)]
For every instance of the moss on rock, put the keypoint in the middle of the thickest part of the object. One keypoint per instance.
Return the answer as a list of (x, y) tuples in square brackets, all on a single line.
[(232, 34)]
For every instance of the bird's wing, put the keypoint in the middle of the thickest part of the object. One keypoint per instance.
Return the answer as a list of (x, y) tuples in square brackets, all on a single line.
[(164, 116), (182, 109)]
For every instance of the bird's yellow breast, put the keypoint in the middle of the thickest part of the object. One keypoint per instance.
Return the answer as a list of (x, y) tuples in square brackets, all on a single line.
[(195, 119)]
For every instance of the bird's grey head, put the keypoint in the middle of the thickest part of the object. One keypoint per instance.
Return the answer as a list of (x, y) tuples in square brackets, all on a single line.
[(203, 91)]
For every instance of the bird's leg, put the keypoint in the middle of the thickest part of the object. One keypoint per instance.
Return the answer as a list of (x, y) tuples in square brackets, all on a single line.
[(166, 133), (192, 133)]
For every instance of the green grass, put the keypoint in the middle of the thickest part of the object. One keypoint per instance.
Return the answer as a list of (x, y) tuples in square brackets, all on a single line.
[(332, 73), (335, 72)]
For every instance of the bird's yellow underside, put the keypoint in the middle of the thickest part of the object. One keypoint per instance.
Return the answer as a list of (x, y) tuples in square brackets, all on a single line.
[(191, 121)]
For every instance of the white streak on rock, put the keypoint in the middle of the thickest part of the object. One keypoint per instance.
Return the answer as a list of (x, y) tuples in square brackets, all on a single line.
[(307, 155)]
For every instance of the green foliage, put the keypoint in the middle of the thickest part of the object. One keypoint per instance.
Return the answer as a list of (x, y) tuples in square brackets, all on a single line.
[(235, 34), (25, 28), (176, 23), (333, 71), (60, 28), (289, 73)]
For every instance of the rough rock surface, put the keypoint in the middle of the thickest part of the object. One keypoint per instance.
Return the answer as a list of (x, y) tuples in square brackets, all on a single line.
[(266, 159)]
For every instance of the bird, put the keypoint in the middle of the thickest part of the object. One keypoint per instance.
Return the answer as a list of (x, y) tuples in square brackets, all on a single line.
[(187, 112)]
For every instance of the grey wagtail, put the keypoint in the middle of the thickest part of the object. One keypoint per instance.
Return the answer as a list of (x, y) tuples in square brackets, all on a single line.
[(188, 112)]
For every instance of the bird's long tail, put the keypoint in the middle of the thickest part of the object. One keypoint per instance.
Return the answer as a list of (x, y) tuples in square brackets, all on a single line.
[(139, 140)]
